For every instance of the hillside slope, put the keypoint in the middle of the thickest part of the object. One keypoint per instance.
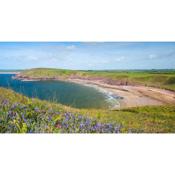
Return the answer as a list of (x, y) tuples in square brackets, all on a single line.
[(21, 114), (160, 78)]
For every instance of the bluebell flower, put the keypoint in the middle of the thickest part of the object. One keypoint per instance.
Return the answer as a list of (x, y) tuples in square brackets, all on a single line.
[(5, 102), (57, 113), (82, 125), (24, 119), (87, 122), (36, 109), (49, 118)]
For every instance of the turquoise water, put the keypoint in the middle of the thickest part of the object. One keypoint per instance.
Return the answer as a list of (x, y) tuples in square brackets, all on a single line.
[(66, 93)]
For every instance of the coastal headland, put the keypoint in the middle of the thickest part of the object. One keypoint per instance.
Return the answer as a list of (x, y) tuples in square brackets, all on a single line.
[(133, 93)]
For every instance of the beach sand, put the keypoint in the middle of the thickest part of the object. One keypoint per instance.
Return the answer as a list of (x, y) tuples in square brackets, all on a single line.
[(134, 96)]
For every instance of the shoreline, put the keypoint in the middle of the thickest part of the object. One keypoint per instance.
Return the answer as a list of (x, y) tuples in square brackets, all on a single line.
[(132, 95), (135, 96), (10, 73), (112, 97)]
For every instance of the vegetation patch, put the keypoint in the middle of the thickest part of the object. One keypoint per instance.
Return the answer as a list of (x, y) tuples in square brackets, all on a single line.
[(160, 78), (34, 116), (19, 114)]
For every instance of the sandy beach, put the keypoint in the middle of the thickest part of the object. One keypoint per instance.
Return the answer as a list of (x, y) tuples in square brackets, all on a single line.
[(134, 96)]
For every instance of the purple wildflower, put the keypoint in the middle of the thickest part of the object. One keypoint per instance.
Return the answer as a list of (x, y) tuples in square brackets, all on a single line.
[(5, 102), (24, 119), (37, 109)]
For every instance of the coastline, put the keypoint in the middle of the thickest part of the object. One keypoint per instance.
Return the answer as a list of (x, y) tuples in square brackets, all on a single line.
[(10, 73), (131, 95), (135, 96)]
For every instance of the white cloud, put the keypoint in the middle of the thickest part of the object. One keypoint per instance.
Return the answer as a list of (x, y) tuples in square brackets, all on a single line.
[(119, 58), (32, 58), (152, 56), (71, 47)]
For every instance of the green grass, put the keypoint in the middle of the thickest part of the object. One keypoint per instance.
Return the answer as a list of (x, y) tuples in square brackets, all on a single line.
[(160, 78), (148, 119), (41, 72), (159, 119)]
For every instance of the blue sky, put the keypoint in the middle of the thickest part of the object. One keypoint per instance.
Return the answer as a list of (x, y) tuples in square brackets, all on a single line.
[(87, 55)]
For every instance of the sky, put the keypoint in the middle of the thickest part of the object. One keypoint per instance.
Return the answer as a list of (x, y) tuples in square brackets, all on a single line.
[(87, 55)]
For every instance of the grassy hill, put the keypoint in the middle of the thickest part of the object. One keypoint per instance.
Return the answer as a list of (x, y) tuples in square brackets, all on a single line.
[(156, 78), (21, 114)]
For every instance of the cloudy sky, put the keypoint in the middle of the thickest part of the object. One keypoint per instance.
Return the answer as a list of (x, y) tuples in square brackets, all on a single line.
[(87, 55)]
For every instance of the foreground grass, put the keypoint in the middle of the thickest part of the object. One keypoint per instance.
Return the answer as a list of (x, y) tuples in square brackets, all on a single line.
[(23, 114), (157, 78), (19, 114)]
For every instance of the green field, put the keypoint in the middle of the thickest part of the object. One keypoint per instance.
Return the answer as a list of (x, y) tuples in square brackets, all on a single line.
[(137, 120), (156, 78)]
